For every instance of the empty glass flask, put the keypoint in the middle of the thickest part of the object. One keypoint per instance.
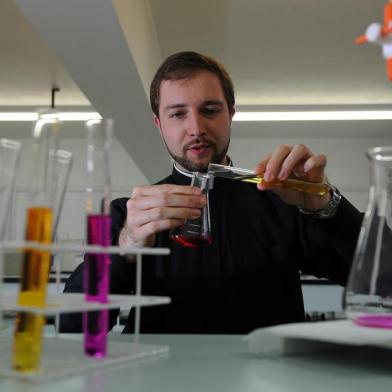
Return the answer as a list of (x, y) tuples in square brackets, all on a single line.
[(368, 296)]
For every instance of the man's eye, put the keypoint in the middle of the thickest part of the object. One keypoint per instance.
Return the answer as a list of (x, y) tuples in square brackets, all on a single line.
[(211, 110), (176, 115)]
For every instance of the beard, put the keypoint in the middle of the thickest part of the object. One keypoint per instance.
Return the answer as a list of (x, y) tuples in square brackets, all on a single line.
[(187, 164)]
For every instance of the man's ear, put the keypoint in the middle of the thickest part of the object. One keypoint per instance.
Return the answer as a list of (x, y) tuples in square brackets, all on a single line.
[(157, 122), (232, 112)]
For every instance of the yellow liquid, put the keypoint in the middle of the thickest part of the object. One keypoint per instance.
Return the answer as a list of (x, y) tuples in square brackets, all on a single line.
[(298, 185), (35, 270)]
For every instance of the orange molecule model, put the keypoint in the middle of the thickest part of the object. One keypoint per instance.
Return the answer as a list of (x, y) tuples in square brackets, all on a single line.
[(381, 35)]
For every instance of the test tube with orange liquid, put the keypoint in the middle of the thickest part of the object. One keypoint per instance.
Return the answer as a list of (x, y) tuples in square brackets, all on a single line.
[(44, 204), (239, 174)]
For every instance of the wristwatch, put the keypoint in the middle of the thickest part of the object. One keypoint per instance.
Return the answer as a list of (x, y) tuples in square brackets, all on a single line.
[(329, 211)]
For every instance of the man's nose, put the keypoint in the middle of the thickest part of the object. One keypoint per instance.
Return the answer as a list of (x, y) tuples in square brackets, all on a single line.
[(196, 125)]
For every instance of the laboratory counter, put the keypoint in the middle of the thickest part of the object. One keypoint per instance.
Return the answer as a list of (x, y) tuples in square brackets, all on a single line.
[(223, 363)]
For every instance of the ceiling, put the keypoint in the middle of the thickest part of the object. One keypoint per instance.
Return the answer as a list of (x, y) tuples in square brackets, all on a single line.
[(103, 54), (28, 68), (282, 52)]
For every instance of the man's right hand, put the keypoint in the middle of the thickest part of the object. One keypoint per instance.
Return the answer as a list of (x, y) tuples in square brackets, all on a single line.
[(155, 208)]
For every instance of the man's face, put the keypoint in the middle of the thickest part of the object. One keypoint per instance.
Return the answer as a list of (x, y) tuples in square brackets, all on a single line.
[(194, 120)]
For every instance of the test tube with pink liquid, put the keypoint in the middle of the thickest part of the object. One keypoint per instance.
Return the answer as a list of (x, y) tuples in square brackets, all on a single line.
[(98, 221)]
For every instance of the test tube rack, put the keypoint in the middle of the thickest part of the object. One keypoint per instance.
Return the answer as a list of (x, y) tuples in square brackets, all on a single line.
[(63, 353)]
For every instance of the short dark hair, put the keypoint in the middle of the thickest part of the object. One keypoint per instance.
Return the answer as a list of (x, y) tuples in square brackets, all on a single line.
[(183, 65)]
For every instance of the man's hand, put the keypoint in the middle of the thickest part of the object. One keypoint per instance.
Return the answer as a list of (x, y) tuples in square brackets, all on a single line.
[(155, 208), (294, 162)]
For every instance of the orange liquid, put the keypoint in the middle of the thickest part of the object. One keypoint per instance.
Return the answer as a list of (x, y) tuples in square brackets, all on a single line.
[(298, 185), (34, 278)]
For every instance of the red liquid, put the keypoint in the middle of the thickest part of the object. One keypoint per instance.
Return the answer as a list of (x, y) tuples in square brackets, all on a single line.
[(191, 241), (375, 321)]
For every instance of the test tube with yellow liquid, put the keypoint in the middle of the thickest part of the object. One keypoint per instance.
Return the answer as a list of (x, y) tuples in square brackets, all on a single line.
[(34, 276), (44, 202), (236, 173)]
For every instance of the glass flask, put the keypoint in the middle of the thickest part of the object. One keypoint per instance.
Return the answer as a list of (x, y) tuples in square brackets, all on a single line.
[(368, 296), (195, 233), (96, 265)]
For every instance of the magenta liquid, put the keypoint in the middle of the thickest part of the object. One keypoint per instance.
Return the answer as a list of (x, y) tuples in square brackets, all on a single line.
[(96, 286), (375, 321)]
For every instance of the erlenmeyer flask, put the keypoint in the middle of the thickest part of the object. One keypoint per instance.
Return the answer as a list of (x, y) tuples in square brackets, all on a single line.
[(368, 297), (196, 232)]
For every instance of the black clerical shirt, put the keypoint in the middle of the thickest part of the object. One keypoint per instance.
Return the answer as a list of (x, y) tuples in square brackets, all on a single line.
[(248, 277)]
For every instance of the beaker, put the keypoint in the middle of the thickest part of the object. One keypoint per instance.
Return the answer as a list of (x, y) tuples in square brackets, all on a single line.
[(195, 233), (368, 296)]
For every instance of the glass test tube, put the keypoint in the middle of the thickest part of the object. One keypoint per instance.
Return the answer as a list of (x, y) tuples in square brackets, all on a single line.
[(96, 266), (236, 173), (9, 159), (45, 188)]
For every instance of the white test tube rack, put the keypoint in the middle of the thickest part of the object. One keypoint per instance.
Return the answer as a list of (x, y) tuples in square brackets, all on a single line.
[(62, 356)]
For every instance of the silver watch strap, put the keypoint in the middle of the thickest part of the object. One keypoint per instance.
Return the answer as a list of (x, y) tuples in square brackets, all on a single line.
[(329, 211)]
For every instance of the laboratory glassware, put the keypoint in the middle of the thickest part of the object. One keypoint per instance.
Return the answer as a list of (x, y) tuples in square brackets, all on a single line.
[(368, 296), (195, 233), (63, 169), (236, 173), (45, 189), (96, 265), (9, 159)]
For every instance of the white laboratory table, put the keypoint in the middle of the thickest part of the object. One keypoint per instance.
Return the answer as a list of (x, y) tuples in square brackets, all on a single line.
[(222, 363)]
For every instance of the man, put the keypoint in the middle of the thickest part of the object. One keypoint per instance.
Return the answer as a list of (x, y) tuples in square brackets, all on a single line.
[(262, 236)]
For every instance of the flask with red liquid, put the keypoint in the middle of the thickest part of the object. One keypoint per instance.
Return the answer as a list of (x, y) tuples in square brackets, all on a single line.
[(196, 233)]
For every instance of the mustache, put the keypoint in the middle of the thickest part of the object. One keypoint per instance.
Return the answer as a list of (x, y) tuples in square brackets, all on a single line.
[(199, 140)]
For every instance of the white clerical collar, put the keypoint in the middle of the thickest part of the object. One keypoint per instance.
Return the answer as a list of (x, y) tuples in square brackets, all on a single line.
[(189, 173)]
